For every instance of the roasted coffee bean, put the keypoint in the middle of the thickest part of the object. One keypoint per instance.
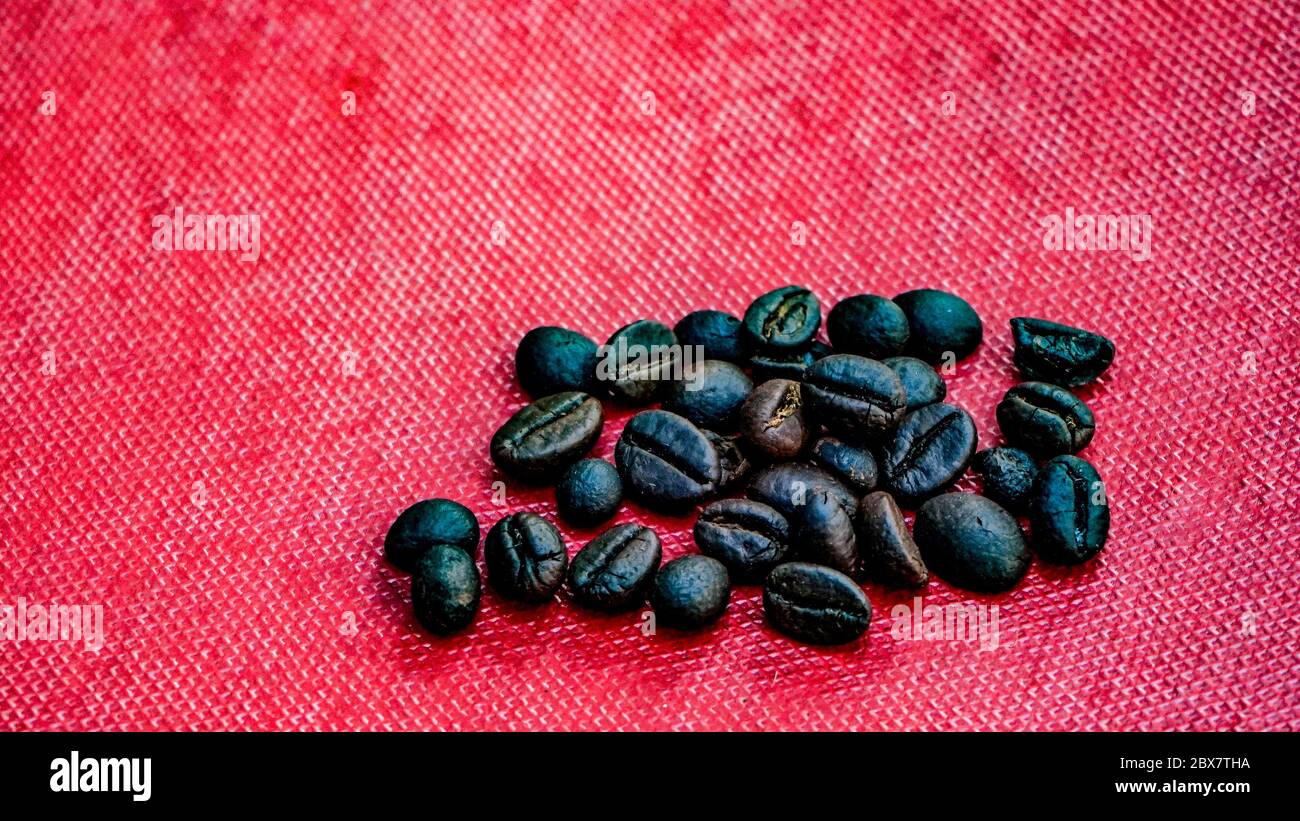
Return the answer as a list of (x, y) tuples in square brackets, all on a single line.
[(665, 461), (732, 461), (783, 320), (424, 524), (553, 360), (525, 558), (823, 533), (852, 465), (1045, 420), (710, 394), (853, 396), (886, 551), (767, 366), (639, 362), (719, 334), (589, 492), (544, 438), (1068, 512), (921, 382), (787, 487), (690, 592), (929, 451), (750, 538), (1008, 475), (867, 325), (445, 589), (971, 542), (815, 604), (772, 419), (1051, 352), (940, 322), (615, 570)]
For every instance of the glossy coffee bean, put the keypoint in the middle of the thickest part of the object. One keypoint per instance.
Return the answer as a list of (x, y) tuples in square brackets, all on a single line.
[(782, 320), (940, 322), (867, 325), (922, 384), (1051, 352), (589, 492), (1008, 475), (852, 465), (734, 465), (765, 366), (823, 534), (772, 420), (665, 461), (553, 360), (750, 538), (1069, 514), (710, 394), (929, 451), (970, 542), (544, 438), (853, 396), (788, 486), (445, 589), (615, 570), (719, 334), (525, 558), (815, 604), (424, 524), (1045, 420), (639, 362), (690, 592), (886, 550)]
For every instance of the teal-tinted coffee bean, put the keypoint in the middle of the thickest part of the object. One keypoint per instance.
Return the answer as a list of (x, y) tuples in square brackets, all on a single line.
[(1008, 475), (615, 570), (719, 334), (525, 558), (424, 524), (589, 492), (921, 382), (783, 320), (887, 553), (445, 589), (1045, 420), (815, 604), (1060, 354), (854, 397), (971, 542), (710, 394), (544, 438), (639, 362), (940, 322), (553, 360), (929, 452), (788, 486), (1069, 514), (750, 538), (852, 465), (666, 462), (867, 325), (690, 592), (823, 533)]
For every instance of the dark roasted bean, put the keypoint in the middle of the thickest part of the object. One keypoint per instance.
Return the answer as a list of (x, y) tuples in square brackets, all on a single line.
[(971, 542), (823, 533), (1069, 513), (544, 438), (750, 538), (783, 320), (639, 362), (815, 604), (733, 464), (929, 451), (710, 394), (767, 366), (855, 397), (1051, 352), (867, 325), (553, 360), (615, 570), (589, 492), (690, 592), (719, 334), (1008, 475), (1045, 420), (787, 487), (445, 589), (525, 558), (772, 419), (886, 551), (852, 465), (665, 461), (922, 384), (940, 322), (424, 524)]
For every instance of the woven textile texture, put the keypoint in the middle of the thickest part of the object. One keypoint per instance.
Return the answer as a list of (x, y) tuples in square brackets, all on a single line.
[(212, 449)]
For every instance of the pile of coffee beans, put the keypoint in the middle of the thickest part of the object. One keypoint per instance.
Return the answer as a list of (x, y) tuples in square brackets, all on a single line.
[(802, 455)]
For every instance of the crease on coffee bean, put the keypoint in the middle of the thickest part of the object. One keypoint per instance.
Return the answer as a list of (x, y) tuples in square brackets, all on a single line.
[(775, 321), (791, 403), (1080, 486), (837, 614), (545, 418), (650, 447), (837, 390), (920, 444)]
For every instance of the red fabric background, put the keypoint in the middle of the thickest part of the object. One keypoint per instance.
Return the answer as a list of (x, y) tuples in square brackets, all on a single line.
[(198, 461)]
